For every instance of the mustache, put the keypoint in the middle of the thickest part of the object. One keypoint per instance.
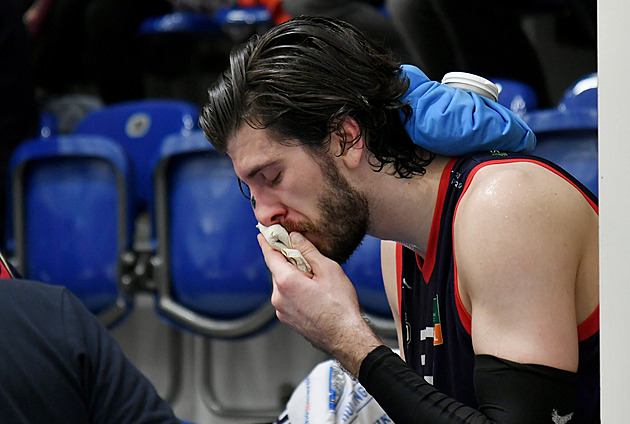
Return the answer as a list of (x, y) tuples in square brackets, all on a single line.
[(299, 226)]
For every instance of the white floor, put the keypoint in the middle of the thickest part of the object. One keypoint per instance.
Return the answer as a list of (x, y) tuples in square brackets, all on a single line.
[(252, 374)]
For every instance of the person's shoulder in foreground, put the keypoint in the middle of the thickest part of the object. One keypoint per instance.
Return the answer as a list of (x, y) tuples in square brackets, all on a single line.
[(60, 365)]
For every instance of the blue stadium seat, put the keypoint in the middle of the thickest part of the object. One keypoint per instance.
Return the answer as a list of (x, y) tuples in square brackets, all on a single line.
[(47, 124), (211, 277), (71, 226), (140, 126), (567, 135), (582, 94), (517, 96), (364, 270), (253, 15), (239, 23), (178, 22), (236, 22)]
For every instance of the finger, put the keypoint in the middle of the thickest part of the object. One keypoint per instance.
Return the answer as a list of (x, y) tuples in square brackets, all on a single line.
[(276, 261), (306, 248), (270, 254), (271, 258)]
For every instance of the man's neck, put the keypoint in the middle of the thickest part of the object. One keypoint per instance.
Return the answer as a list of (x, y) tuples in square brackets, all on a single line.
[(401, 209)]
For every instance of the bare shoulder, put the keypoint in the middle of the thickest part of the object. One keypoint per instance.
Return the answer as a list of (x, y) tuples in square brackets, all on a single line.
[(525, 243), (524, 205), (525, 195)]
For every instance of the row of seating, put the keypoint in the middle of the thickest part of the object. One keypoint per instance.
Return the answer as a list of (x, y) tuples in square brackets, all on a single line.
[(238, 23), (76, 200), (136, 200)]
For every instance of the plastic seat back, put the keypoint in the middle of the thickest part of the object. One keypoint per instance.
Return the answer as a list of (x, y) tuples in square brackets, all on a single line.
[(212, 278), (48, 125), (236, 22), (517, 96), (582, 94), (70, 217), (567, 135), (179, 22), (140, 127)]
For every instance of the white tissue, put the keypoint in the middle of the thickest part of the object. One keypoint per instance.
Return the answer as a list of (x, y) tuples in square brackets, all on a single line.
[(279, 239)]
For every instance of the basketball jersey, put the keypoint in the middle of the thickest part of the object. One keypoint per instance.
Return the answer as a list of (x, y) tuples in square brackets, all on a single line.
[(436, 327)]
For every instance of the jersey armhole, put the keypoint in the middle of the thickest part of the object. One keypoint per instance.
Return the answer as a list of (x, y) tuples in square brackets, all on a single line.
[(589, 327), (463, 314)]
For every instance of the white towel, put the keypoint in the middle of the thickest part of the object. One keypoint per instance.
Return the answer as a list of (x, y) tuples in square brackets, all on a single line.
[(329, 395)]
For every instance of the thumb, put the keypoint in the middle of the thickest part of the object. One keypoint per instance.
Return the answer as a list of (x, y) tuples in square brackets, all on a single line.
[(306, 248)]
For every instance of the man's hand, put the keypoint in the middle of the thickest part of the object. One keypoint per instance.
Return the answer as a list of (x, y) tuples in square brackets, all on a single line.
[(323, 307)]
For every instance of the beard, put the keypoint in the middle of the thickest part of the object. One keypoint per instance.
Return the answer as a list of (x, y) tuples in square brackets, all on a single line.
[(344, 216)]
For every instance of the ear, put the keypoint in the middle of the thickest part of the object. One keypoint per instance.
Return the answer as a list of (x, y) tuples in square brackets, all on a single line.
[(347, 142)]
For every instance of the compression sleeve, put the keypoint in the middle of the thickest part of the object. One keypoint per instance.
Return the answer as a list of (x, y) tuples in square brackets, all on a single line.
[(406, 396), (508, 392), (453, 122)]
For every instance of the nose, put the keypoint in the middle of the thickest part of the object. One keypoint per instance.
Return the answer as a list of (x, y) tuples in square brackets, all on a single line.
[(267, 209)]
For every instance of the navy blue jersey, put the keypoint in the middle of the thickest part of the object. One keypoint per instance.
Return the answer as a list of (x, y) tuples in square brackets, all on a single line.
[(436, 327)]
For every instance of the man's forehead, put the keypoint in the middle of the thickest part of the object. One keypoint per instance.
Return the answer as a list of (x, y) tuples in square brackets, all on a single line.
[(253, 149)]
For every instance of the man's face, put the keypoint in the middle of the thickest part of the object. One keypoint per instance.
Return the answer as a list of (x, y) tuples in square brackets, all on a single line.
[(301, 192)]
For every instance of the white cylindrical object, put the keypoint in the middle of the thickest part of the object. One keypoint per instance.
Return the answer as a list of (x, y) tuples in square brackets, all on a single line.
[(472, 82)]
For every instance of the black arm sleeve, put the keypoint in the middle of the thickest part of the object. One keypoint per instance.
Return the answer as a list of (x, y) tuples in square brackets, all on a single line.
[(509, 393)]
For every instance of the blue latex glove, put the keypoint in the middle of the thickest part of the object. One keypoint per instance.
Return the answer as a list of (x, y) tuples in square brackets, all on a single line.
[(453, 122)]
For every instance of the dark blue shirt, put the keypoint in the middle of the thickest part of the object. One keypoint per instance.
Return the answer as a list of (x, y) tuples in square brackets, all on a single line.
[(58, 364)]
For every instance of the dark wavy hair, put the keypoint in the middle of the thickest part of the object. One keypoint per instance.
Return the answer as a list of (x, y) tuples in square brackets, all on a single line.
[(301, 79)]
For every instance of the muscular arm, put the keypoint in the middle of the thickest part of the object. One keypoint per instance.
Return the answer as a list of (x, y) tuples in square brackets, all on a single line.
[(520, 236), (508, 392)]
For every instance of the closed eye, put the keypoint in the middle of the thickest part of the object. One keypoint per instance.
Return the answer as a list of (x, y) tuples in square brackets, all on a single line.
[(276, 180), (272, 176)]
